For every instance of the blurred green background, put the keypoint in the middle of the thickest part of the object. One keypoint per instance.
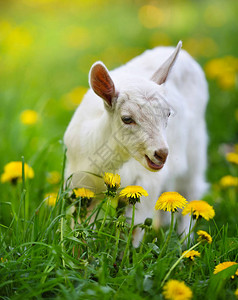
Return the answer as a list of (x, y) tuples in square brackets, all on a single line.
[(48, 46)]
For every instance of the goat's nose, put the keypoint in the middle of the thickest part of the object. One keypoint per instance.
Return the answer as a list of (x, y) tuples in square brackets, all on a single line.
[(161, 154)]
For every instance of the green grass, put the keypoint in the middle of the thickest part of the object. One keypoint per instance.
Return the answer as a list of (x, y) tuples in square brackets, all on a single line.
[(44, 257), (41, 61)]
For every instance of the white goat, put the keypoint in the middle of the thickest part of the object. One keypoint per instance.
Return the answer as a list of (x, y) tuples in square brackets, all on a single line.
[(130, 131)]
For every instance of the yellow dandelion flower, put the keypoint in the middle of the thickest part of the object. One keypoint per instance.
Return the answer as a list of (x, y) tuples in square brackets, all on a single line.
[(224, 70), (232, 157), (199, 208), (214, 68), (133, 193), (204, 236), (54, 177), (225, 265), (191, 254), (228, 181), (170, 201), (227, 81), (13, 172), (221, 66), (84, 193), (112, 180), (29, 117), (50, 199), (176, 290), (17, 41), (236, 293)]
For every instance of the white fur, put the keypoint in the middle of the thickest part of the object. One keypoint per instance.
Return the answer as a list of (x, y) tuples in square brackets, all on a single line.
[(96, 126)]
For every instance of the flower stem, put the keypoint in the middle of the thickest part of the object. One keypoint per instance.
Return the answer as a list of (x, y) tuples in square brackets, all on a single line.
[(169, 235), (23, 194), (108, 204), (62, 230), (188, 234), (116, 246), (129, 237), (177, 262), (142, 243)]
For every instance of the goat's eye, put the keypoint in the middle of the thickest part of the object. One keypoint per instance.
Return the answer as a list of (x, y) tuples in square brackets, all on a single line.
[(169, 114), (128, 120)]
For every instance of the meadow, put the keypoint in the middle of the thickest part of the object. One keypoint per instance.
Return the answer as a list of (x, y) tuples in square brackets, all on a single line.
[(46, 51)]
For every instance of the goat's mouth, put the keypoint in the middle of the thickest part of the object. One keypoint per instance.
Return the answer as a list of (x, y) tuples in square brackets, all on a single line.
[(153, 165)]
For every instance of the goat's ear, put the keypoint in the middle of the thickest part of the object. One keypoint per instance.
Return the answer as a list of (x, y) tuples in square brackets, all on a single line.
[(101, 82), (162, 73)]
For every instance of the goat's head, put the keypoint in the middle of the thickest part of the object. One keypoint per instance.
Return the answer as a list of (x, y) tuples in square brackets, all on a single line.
[(138, 111)]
